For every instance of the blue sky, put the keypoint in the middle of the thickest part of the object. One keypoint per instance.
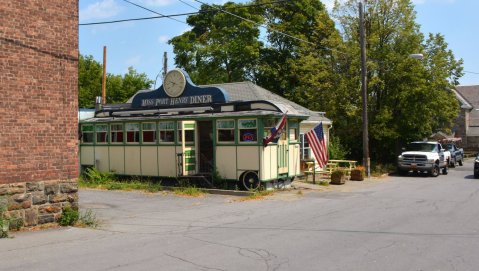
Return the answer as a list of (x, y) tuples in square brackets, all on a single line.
[(141, 43)]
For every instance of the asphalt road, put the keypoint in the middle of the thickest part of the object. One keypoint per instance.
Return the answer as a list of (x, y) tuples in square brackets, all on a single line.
[(399, 223)]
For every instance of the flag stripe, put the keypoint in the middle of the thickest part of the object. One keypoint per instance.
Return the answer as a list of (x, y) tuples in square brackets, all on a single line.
[(318, 144)]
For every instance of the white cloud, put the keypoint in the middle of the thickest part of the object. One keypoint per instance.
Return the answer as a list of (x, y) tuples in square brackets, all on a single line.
[(156, 3), (100, 10), (163, 39)]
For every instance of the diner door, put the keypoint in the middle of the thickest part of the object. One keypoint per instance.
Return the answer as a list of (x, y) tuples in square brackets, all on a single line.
[(283, 153), (187, 138), (205, 146)]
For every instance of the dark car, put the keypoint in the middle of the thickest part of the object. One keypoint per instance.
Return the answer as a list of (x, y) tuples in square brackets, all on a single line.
[(476, 166)]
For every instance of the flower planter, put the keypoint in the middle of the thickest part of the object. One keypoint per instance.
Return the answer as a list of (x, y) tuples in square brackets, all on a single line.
[(357, 175), (338, 177)]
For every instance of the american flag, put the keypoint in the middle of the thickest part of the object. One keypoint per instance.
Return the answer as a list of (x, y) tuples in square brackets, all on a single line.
[(318, 144), (276, 131)]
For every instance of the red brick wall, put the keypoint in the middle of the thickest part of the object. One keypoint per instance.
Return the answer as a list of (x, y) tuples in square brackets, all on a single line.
[(38, 90)]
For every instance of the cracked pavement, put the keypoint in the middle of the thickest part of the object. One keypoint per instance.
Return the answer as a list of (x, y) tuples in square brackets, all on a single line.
[(400, 223)]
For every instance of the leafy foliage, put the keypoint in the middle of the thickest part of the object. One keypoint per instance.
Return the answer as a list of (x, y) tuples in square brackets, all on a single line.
[(317, 65), (4, 221), (119, 88), (69, 216)]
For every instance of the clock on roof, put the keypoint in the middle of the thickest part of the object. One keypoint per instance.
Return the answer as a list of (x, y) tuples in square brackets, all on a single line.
[(174, 83)]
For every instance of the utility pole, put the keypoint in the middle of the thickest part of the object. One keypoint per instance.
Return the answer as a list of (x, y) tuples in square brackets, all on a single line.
[(165, 64), (364, 90), (103, 81)]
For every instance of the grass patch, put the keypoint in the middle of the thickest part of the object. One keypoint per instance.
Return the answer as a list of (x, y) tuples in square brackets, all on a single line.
[(188, 191), (72, 217), (260, 194), (92, 178), (378, 170), (324, 183)]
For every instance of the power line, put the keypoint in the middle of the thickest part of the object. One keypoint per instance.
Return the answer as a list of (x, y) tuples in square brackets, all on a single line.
[(471, 72), (174, 15), (140, 19), (150, 10)]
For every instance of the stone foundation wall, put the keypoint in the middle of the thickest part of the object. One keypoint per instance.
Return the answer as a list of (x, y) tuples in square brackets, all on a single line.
[(35, 203)]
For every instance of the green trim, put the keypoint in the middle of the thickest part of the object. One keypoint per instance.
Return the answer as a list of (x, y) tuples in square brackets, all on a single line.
[(190, 160), (191, 167), (213, 126)]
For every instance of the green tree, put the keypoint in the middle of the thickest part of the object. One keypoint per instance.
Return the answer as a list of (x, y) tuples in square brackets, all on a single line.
[(219, 47), (89, 81), (407, 99), (119, 88)]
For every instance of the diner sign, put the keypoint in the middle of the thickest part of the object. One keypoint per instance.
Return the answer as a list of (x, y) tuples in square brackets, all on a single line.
[(192, 95), (198, 99)]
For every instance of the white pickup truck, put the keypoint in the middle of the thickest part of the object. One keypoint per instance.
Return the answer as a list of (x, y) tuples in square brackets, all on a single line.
[(424, 156)]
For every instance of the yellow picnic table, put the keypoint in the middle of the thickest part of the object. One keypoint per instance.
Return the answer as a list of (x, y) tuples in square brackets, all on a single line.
[(346, 165)]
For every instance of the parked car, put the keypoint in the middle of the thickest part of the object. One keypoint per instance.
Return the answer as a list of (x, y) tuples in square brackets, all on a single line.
[(422, 156), (457, 154), (476, 166)]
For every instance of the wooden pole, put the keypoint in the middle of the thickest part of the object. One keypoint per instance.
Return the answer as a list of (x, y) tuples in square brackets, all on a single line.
[(103, 83), (364, 90)]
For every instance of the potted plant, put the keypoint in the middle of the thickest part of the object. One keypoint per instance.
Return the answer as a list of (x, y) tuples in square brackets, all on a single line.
[(358, 174), (338, 177)]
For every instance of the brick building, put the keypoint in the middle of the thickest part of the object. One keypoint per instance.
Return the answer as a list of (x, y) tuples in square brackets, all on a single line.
[(38, 108)]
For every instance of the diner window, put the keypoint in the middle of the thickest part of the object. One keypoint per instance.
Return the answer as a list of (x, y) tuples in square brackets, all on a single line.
[(293, 136), (247, 130), (149, 132), (116, 132), (167, 131), (268, 125), (189, 133), (87, 132), (226, 130), (305, 148), (101, 133), (132, 132)]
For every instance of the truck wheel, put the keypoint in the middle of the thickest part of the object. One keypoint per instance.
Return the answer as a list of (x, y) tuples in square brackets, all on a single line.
[(435, 171), (453, 163), (444, 170), (460, 162), (402, 172)]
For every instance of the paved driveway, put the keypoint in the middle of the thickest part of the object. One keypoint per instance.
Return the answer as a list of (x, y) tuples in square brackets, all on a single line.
[(399, 223)]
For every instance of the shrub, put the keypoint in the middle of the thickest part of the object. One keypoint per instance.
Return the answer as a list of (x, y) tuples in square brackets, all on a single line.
[(93, 175), (336, 150), (88, 219), (4, 221), (69, 216)]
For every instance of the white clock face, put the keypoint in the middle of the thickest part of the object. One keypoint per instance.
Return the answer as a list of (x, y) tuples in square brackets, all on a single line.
[(174, 83)]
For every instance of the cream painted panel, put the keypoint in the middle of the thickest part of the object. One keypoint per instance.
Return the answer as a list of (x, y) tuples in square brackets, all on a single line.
[(117, 159), (102, 162), (149, 161), (248, 157), (266, 163), (226, 161), (133, 160), (87, 157), (167, 161), (294, 159), (273, 168)]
